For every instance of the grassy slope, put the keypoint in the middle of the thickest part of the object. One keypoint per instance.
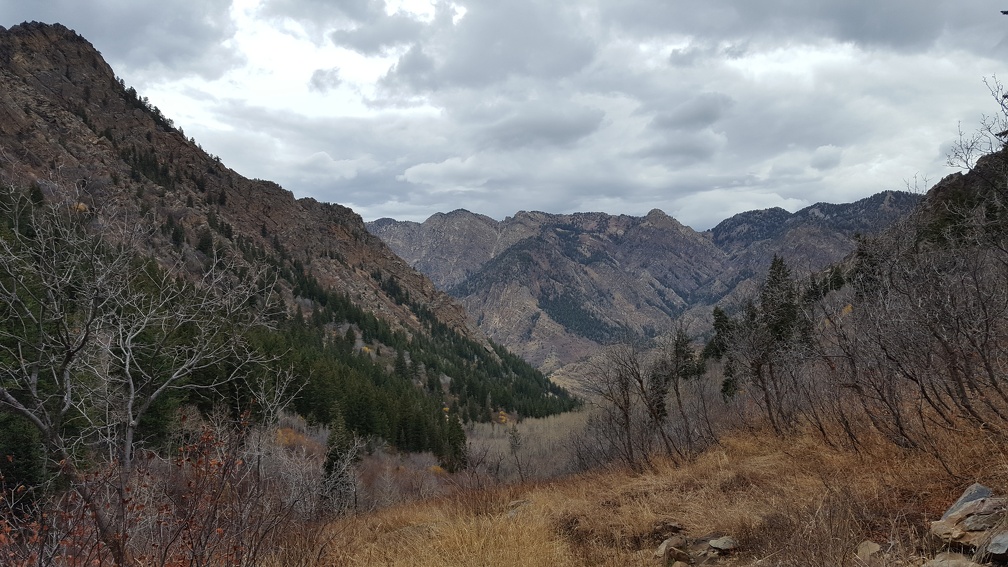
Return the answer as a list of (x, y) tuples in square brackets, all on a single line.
[(788, 501)]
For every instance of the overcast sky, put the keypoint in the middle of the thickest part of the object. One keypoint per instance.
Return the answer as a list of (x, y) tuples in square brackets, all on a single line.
[(702, 108)]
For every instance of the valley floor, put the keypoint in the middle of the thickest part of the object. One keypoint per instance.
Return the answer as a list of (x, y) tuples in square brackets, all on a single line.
[(787, 502)]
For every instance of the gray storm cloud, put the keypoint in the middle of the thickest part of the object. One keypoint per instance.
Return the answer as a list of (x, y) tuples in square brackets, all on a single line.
[(700, 108)]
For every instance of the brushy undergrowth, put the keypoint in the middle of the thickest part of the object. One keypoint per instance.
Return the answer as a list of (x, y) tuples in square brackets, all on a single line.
[(789, 501)]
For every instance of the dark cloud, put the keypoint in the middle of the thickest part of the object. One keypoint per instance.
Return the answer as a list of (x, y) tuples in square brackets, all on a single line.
[(323, 10), (380, 35), (148, 39), (701, 111), (415, 71), (701, 52), (899, 24), (537, 123), (318, 17), (679, 149)]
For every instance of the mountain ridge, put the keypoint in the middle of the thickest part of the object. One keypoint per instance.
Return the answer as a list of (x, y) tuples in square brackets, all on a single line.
[(554, 287), (114, 146)]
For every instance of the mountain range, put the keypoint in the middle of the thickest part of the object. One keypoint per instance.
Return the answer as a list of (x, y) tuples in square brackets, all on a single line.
[(553, 288)]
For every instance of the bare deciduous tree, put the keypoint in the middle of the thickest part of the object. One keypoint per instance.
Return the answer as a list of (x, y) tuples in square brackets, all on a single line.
[(647, 402), (92, 335)]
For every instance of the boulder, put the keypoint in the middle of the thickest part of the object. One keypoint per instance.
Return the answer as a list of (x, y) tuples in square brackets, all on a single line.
[(978, 520), (670, 554), (998, 544), (677, 540), (867, 549), (975, 492), (724, 543)]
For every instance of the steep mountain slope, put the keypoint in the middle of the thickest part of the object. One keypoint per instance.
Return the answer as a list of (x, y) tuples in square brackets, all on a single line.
[(66, 121), (555, 287), (69, 128)]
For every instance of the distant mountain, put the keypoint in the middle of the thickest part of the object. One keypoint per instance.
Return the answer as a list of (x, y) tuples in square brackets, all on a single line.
[(809, 238), (555, 287)]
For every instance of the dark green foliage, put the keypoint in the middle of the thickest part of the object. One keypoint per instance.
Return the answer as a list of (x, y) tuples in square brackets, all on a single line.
[(205, 242), (347, 388), (392, 389), (177, 236), (779, 303), (769, 336), (144, 163), (723, 328), (568, 310), (352, 393), (22, 455), (481, 381), (820, 285), (455, 459), (391, 287), (220, 227)]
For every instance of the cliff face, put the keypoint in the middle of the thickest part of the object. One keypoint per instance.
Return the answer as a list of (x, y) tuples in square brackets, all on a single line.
[(555, 287), (68, 124)]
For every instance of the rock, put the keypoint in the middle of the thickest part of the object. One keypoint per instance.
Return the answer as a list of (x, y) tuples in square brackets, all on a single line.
[(725, 543), (671, 554), (507, 272), (977, 519), (974, 492), (867, 549), (678, 541), (998, 544), (948, 559)]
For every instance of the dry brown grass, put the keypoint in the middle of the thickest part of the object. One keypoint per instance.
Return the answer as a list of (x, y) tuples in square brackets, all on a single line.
[(789, 502)]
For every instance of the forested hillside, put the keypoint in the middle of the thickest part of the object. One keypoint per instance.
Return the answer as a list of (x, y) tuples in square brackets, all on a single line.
[(162, 311)]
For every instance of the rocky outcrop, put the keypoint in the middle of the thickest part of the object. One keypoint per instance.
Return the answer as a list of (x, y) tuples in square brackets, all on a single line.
[(978, 520)]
